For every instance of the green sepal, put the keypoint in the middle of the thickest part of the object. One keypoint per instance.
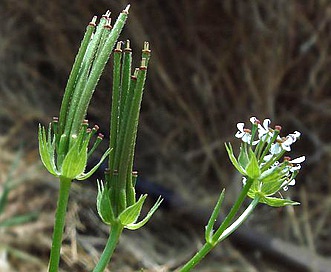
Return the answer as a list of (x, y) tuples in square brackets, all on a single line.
[(211, 222), (138, 225), (75, 162), (104, 207), (130, 214), (233, 159), (46, 151), (253, 170), (277, 202)]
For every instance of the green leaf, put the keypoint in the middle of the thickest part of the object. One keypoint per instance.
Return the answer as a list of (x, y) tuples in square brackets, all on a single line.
[(233, 159), (277, 202), (138, 225), (253, 169), (211, 222), (131, 213)]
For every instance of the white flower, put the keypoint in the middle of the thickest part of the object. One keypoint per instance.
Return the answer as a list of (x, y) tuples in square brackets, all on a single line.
[(243, 133), (254, 120), (287, 183), (281, 144), (295, 163), (295, 136), (264, 129)]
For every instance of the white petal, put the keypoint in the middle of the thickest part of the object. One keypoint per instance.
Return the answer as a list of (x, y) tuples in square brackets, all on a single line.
[(298, 160), (289, 140), (266, 123), (240, 127), (275, 148), (295, 168), (292, 182), (246, 138), (253, 119), (286, 147), (239, 134)]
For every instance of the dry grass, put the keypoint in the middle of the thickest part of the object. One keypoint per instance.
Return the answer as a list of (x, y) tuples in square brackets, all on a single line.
[(214, 63)]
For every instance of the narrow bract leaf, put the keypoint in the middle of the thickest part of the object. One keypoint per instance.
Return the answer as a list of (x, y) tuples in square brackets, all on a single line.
[(213, 218), (138, 225), (95, 168), (253, 169), (75, 162), (131, 213), (243, 158), (47, 158), (278, 202), (104, 205), (233, 159)]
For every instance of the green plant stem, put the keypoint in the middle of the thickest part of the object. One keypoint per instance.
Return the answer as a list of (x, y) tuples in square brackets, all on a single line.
[(242, 218), (115, 233), (207, 247), (236, 206), (60, 214)]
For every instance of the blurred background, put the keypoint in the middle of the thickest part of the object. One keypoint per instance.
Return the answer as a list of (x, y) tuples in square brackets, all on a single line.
[(214, 63)]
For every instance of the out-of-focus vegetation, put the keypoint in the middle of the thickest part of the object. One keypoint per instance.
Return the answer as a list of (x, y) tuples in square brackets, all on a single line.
[(213, 63)]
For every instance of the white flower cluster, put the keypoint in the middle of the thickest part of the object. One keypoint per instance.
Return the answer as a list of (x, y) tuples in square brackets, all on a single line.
[(269, 147), (265, 133)]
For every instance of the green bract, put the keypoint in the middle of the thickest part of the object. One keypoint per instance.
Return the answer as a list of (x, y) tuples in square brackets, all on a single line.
[(74, 162)]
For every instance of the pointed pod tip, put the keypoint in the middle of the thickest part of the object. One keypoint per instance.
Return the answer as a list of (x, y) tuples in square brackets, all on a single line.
[(93, 21), (146, 48), (118, 48), (126, 10), (107, 14)]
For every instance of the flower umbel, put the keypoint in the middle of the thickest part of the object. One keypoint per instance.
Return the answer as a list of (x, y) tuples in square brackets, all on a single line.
[(260, 160)]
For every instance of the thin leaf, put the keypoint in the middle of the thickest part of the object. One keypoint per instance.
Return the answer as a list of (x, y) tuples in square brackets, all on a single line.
[(278, 202), (131, 213), (95, 168), (233, 159), (148, 216), (209, 228)]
